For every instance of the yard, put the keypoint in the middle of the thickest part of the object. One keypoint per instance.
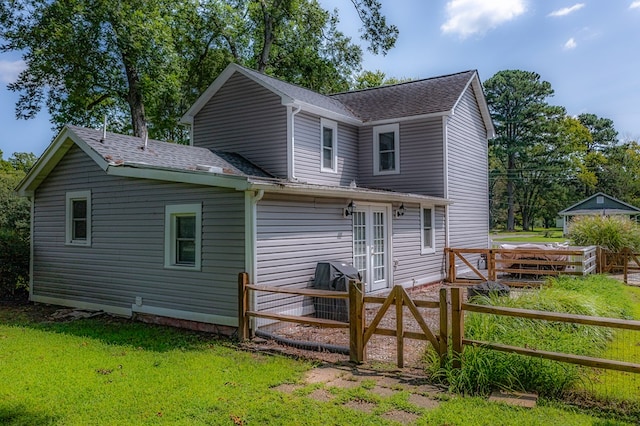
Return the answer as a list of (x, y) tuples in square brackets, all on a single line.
[(105, 370)]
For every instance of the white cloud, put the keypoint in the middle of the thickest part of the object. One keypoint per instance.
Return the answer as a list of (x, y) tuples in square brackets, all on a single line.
[(9, 70), (567, 10), (467, 17), (635, 5), (570, 44)]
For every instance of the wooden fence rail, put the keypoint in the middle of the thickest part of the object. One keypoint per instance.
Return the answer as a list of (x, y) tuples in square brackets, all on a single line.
[(449, 340), (459, 341)]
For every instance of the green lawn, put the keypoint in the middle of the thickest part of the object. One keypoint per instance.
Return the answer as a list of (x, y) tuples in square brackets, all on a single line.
[(553, 235), (103, 371)]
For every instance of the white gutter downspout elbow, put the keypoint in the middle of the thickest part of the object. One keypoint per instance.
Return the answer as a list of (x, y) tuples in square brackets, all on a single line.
[(291, 173)]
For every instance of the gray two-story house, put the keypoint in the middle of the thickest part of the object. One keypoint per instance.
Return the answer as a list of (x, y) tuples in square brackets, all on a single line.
[(276, 179)]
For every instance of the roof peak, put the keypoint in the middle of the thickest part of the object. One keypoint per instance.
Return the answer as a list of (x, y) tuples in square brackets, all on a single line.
[(403, 83)]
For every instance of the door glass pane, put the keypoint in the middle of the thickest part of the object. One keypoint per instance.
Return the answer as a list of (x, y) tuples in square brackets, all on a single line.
[(379, 254), (360, 244)]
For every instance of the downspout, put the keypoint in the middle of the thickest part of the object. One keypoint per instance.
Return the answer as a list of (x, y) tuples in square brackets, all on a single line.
[(31, 240), (445, 148), (251, 199), (291, 170)]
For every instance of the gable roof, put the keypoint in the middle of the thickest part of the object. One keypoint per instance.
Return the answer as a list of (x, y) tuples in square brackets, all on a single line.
[(289, 93), (123, 155), (431, 96), (611, 206), (420, 97)]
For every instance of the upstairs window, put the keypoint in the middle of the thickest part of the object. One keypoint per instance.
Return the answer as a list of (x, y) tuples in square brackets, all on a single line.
[(386, 149), (428, 234), (78, 218), (183, 236), (599, 199), (329, 146)]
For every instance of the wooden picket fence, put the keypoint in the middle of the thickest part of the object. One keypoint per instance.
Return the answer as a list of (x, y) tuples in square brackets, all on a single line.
[(445, 341)]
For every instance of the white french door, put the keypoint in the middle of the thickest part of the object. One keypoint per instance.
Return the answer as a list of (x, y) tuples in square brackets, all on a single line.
[(371, 245)]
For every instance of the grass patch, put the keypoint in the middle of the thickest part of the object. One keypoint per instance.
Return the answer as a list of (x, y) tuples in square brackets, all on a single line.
[(485, 370), (104, 371)]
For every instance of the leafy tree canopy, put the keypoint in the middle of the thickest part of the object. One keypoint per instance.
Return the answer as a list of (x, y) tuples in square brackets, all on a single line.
[(143, 63)]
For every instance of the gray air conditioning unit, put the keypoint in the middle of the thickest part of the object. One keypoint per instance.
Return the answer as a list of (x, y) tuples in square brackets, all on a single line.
[(333, 276)]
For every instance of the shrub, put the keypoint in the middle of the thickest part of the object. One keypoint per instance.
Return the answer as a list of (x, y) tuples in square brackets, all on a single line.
[(612, 232), (14, 265)]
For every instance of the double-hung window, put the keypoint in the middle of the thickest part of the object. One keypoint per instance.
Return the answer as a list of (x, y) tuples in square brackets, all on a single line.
[(386, 149), (183, 236), (427, 221), (329, 146), (78, 218)]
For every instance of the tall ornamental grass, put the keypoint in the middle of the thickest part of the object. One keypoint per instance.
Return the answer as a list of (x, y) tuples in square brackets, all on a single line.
[(612, 232), (484, 370)]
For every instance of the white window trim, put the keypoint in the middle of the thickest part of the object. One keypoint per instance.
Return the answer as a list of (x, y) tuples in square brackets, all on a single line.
[(395, 128), (330, 124), (70, 197), (432, 249), (171, 211)]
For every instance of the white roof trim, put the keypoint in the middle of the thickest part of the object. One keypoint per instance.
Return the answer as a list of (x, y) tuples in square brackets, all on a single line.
[(356, 193), (484, 108), (52, 156)]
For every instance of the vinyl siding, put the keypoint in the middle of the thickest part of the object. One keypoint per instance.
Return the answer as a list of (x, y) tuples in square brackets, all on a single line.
[(293, 235), (421, 159), (307, 152), (126, 257), (468, 175), (245, 118), (410, 266)]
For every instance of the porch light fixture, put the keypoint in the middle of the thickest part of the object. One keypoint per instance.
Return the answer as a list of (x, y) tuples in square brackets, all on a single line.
[(349, 210), (400, 211)]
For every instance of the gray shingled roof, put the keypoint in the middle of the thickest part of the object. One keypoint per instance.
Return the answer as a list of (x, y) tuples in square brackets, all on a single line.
[(428, 96), (124, 149), (300, 93)]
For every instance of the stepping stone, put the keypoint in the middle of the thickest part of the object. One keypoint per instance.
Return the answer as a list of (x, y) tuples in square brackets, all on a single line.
[(400, 416), (321, 395), (344, 384), (286, 388), (383, 392), (423, 402), (527, 400), (391, 382), (363, 406), (323, 375)]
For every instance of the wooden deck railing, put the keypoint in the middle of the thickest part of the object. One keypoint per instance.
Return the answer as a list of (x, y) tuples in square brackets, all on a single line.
[(518, 266)]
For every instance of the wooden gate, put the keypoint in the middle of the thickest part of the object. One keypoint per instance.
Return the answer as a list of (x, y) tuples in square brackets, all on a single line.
[(399, 298)]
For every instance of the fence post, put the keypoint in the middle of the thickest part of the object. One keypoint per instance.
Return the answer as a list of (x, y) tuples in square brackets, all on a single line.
[(491, 265), (599, 268), (452, 266), (356, 322), (399, 326), (457, 326), (243, 306), (444, 327), (626, 254)]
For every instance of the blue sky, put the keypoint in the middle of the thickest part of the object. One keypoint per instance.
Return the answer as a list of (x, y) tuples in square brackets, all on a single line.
[(589, 51)]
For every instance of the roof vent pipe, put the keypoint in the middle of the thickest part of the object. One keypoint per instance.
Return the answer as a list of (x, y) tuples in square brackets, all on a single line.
[(146, 141), (104, 129)]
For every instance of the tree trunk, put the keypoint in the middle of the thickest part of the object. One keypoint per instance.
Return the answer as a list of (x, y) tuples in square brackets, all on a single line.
[(268, 38), (510, 202), (134, 99)]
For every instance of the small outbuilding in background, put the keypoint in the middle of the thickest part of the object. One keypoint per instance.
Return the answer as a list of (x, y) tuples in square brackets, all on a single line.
[(599, 204)]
